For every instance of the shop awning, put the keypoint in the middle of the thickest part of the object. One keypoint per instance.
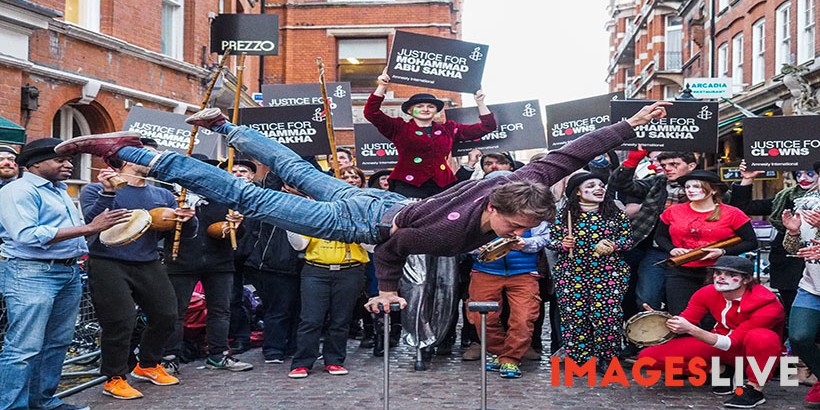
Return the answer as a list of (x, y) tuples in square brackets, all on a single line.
[(11, 133)]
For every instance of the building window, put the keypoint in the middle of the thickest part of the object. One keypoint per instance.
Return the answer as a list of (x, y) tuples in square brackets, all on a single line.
[(67, 124), (673, 44), (361, 60), (84, 13), (759, 51), (172, 21), (783, 38), (722, 4), (805, 30), (723, 60), (737, 60)]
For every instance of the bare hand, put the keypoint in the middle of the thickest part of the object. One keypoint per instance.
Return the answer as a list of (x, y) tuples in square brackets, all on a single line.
[(714, 253), (749, 175), (791, 222), (648, 113), (679, 325), (812, 217), (473, 156), (234, 217), (184, 214), (518, 244), (109, 218), (104, 177), (479, 96), (679, 251), (568, 242), (384, 299), (647, 308), (811, 252), (384, 79)]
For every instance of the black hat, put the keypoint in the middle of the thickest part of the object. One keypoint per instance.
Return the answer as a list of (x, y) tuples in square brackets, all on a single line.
[(37, 151), (373, 180), (243, 162), (422, 98), (737, 264), (816, 166), (576, 180), (149, 142), (703, 175), (9, 149), (204, 158)]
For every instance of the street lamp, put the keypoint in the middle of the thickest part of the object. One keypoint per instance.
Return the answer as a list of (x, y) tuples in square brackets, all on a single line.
[(686, 94)]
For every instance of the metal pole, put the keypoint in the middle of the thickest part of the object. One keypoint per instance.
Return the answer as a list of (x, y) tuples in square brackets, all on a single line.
[(386, 358), (483, 361)]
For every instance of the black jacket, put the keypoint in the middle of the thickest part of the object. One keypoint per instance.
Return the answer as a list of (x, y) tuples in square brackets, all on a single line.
[(269, 249)]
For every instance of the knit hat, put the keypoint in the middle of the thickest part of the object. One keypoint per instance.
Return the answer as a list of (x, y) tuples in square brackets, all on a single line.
[(9, 149)]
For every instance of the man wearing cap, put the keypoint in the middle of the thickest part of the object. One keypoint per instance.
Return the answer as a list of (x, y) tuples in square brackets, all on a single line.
[(42, 239), (8, 167), (750, 324)]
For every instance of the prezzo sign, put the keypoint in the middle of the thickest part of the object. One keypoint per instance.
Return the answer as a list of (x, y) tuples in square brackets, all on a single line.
[(567, 121), (436, 62), (519, 127), (300, 128), (781, 143), (289, 95), (252, 34), (171, 132), (705, 88), (373, 151), (689, 126)]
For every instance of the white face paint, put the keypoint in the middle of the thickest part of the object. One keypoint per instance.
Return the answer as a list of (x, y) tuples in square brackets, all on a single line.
[(694, 190), (806, 179), (727, 281), (592, 191)]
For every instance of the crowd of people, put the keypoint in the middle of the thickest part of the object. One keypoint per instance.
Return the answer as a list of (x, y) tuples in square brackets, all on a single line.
[(327, 251)]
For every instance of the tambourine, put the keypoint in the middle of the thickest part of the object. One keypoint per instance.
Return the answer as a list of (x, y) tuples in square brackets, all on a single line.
[(648, 328), (129, 231), (496, 249)]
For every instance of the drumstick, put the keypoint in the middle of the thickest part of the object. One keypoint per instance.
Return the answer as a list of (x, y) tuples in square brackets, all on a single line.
[(137, 176), (569, 228)]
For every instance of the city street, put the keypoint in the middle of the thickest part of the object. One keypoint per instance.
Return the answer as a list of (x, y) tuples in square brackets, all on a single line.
[(448, 383)]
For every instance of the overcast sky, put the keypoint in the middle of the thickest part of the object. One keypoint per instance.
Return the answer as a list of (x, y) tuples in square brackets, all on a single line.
[(552, 51)]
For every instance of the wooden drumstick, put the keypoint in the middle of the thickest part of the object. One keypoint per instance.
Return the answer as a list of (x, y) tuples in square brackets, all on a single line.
[(569, 228)]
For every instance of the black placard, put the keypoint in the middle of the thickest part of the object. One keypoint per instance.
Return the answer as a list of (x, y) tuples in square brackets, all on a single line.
[(373, 151), (171, 132), (519, 127), (288, 95), (689, 126), (782, 143), (301, 128), (252, 34), (570, 120), (436, 62)]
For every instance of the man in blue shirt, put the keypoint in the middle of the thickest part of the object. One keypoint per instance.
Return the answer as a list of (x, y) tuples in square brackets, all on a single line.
[(42, 234)]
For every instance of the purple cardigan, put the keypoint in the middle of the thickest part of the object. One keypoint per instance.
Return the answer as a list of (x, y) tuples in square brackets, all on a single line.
[(450, 223)]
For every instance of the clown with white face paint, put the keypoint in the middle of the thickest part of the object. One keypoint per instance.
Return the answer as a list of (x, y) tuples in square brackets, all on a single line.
[(806, 179), (689, 226)]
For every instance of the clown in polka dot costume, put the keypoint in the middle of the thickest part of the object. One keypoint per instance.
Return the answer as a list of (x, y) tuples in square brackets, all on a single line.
[(590, 274)]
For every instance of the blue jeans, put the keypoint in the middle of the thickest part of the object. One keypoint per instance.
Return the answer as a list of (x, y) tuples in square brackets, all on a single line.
[(651, 286), (804, 325), (42, 301), (337, 211)]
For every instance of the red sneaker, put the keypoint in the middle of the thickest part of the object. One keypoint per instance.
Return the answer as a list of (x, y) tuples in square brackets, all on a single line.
[(298, 373), (336, 370), (813, 398), (101, 145)]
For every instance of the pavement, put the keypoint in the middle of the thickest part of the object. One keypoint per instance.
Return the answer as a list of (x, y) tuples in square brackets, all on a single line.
[(448, 383)]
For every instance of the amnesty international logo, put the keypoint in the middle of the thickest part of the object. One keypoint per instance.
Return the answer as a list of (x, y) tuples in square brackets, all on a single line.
[(704, 113), (476, 55), (529, 112)]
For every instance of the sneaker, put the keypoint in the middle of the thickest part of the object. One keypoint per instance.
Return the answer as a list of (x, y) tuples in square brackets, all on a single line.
[(156, 375), (813, 398), (336, 370), (207, 118), (274, 360), (726, 390), (66, 406), (509, 371), (748, 398), (101, 145), (492, 364), (298, 373), (171, 365), (472, 353), (227, 363), (531, 354), (118, 388), (560, 353)]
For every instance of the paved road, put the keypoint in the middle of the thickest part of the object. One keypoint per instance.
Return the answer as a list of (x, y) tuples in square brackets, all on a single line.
[(448, 383)]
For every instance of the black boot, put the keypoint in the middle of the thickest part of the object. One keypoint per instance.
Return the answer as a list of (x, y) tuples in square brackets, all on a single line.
[(368, 337), (378, 337)]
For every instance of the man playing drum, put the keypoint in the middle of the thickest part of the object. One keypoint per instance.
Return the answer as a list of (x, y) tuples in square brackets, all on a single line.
[(750, 324), (459, 219), (131, 274)]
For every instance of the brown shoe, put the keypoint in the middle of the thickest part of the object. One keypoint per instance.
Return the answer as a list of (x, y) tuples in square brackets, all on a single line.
[(207, 118), (472, 353), (531, 354), (101, 145)]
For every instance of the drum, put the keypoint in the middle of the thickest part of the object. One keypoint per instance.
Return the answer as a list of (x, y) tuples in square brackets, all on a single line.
[(127, 232), (648, 329), (495, 250)]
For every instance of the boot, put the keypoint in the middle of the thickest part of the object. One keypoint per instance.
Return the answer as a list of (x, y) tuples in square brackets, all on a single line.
[(378, 337), (368, 337)]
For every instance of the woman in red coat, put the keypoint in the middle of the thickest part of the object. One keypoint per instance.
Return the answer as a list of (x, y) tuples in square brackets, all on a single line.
[(423, 145)]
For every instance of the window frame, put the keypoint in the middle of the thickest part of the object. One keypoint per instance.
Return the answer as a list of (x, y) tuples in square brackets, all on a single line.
[(737, 60), (759, 51), (783, 39)]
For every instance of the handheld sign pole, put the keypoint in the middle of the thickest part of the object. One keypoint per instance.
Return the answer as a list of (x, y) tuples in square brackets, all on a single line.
[(184, 192), (328, 118), (240, 68)]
